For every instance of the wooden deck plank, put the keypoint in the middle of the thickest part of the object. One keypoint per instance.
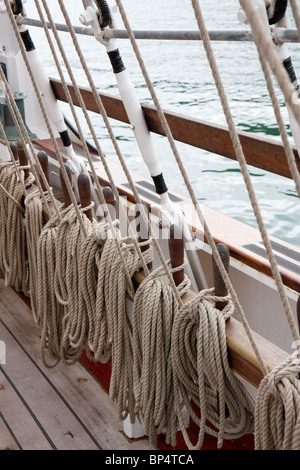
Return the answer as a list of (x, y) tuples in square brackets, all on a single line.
[(58, 424), (74, 384), (7, 439), (21, 423)]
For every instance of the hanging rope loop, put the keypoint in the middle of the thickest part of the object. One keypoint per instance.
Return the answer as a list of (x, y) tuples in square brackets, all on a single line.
[(202, 372)]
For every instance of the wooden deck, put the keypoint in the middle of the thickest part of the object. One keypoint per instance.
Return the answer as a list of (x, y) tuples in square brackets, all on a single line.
[(63, 408)]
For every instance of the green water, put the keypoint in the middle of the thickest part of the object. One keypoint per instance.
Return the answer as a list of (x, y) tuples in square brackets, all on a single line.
[(183, 83)]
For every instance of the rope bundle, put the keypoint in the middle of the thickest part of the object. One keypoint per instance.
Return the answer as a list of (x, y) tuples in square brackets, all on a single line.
[(277, 414), (202, 374), (49, 311), (155, 308), (69, 240), (14, 259), (112, 290), (34, 220)]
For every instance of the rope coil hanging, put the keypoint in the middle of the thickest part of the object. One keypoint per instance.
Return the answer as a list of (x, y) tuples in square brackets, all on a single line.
[(34, 219), (14, 258), (202, 373), (277, 414), (155, 308)]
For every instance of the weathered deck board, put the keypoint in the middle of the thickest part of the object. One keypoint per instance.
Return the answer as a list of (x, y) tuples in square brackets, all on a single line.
[(18, 421), (7, 440), (68, 403)]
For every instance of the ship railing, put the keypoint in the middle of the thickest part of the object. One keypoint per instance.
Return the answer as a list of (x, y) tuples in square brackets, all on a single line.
[(285, 35)]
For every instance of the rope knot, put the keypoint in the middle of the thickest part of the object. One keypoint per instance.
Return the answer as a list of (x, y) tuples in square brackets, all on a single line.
[(102, 232), (206, 299)]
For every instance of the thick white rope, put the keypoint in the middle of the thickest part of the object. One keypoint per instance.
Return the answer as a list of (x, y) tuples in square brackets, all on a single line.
[(154, 310), (14, 259), (34, 220), (202, 373), (277, 413)]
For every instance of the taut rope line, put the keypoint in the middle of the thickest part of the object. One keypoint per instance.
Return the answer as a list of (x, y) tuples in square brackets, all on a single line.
[(117, 149), (42, 106), (83, 107), (243, 165)]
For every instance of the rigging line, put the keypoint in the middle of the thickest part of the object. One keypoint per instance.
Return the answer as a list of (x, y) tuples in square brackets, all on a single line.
[(70, 408), (44, 113), (243, 165), (117, 149), (265, 43), (284, 136), (82, 105), (267, 46), (76, 133), (21, 128), (10, 431), (28, 409), (191, 191)]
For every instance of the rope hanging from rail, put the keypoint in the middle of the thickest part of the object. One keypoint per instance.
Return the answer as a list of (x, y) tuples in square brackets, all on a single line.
[(34, 220), (277, 413), (154, 311), (202, 373), (14, 257)]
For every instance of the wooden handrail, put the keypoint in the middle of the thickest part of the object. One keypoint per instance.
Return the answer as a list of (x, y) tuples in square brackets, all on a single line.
[(260, 152)]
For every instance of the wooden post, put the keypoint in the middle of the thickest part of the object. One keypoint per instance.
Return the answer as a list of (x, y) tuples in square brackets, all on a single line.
[(66, 196), (142, 229), (220, 287), (176, 249), (84, 189), (23, 158), (298, 312), (43, 159), (221, 291), (110, 201), (14, 150)]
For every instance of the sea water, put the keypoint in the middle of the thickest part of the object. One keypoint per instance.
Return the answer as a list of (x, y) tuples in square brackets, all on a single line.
[(183, 82)]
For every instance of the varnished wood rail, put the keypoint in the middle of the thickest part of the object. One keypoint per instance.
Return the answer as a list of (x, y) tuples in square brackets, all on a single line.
[(260, 152)]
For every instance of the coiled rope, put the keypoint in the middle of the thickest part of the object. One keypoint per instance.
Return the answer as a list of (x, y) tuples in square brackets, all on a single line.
[(49, 311), (69, 240), (154, 311), (14, 258), (202, 374), (112, 290), (34, 220), (277, 414)]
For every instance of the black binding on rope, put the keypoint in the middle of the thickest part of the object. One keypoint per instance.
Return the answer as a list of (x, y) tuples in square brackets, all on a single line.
[(17, 7), (279, 11), (105, 12)]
